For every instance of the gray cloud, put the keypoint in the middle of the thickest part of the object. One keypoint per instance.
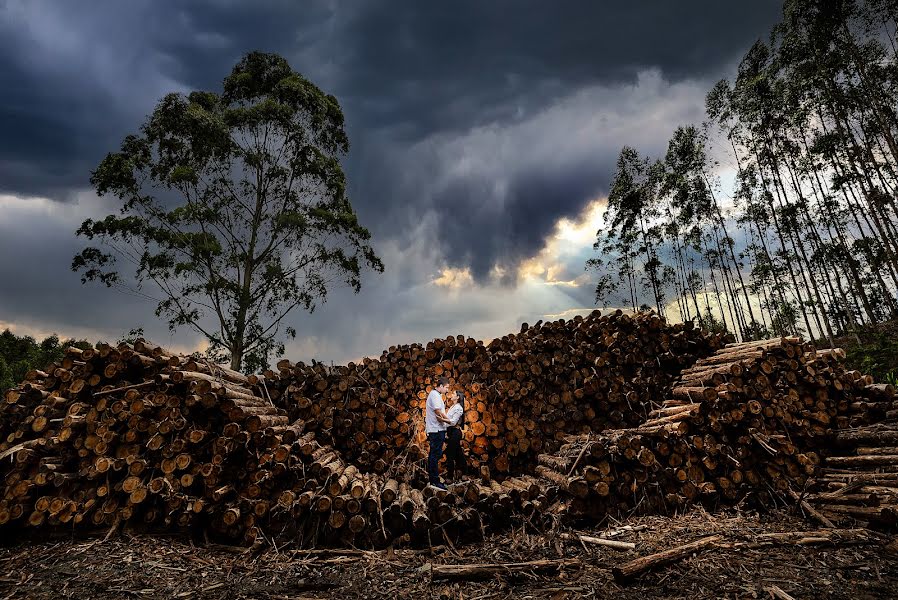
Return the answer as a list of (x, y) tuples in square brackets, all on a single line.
[(475, 126)]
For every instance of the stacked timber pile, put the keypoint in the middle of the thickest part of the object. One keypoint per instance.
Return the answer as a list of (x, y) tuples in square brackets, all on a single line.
[(525, 391), (752, 417), (858, 483), (136, 435), (314, 454)]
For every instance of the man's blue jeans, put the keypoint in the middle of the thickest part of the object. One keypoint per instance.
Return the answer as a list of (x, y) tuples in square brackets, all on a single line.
[(436, 441)]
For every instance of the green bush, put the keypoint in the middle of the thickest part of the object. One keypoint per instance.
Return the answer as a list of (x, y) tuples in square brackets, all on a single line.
[(20, 354), (877, 355)]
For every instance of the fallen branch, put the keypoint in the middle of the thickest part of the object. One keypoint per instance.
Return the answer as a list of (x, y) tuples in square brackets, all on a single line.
[(636, 567), (777, 592), (810, 510), (124, 388), (624, 529), (808, 538), (586, 539), (476, 571)]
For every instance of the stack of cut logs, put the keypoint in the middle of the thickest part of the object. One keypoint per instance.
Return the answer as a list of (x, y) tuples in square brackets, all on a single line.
[(525, 392), (752, 417), (859, 478), (139, 436), (313, 454)]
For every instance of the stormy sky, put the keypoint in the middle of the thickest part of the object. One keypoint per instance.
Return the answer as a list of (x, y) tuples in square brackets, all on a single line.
[(483, 137)]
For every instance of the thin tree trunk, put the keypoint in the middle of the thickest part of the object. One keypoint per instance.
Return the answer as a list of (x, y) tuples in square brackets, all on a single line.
[(730, 246), (801, 203), (769, 196), (723, 318), (853, 267)]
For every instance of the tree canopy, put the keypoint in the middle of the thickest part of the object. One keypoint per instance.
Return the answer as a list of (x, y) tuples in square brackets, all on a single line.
[(18, 355), (234, 210), (806, 239)]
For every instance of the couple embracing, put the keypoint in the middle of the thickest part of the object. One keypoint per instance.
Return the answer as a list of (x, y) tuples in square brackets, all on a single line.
[(442, 425)]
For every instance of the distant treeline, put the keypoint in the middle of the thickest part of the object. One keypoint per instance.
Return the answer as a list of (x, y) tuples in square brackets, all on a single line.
[(805, 238), (19, 354)]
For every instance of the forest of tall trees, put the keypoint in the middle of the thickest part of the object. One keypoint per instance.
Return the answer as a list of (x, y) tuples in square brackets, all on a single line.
[(777, 215)]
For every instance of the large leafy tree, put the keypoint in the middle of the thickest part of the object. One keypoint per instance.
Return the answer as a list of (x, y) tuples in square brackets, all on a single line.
[(234, 209)]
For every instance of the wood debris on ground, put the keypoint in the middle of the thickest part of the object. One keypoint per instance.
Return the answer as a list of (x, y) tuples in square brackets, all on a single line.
[(754, 555)]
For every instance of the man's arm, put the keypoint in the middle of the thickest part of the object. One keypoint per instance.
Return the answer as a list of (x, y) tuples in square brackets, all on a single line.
[(441, 415)]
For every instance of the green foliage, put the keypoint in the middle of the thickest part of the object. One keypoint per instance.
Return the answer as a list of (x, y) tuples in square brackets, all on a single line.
[(877, 355), (629, 238), (18, 355), (891, 378), (711, 324), (132, 336), (809, 125), (234, 209)]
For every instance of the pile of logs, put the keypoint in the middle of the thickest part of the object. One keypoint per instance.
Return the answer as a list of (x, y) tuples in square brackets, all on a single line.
[(858, 483), (753, 417), (139, 436), (524, 391), (583, 418)]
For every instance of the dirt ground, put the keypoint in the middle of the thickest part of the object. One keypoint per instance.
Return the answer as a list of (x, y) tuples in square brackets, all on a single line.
[(144, 566)]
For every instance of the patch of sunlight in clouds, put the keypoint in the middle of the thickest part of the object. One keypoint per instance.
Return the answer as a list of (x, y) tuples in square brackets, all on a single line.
[(582, 232), (40, 332), (565, 250), (454, 278), (86, 205)]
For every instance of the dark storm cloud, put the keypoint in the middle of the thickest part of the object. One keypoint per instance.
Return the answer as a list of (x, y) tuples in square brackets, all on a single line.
[(76, 78), (462, 63), (447, 68), (475, 125), (479, 237), (415, 70), (41, 293)]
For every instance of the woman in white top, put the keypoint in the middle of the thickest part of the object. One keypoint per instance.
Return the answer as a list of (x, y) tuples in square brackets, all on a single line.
[(455, 458)]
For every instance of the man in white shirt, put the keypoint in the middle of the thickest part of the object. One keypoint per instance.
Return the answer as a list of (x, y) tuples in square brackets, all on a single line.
[(435, 422)]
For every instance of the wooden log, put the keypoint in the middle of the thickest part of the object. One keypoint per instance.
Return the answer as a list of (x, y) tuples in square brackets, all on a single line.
[(341, 483), (215, 370), (259, 422), (636, 567), (694, 394), (614, 544), (880, 390), (483, 571), (117, 390), (884, 514), (877, 450), (877, 435), (389, 492), (856, 476), (809, 509), (863, 461), (808, 538)]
